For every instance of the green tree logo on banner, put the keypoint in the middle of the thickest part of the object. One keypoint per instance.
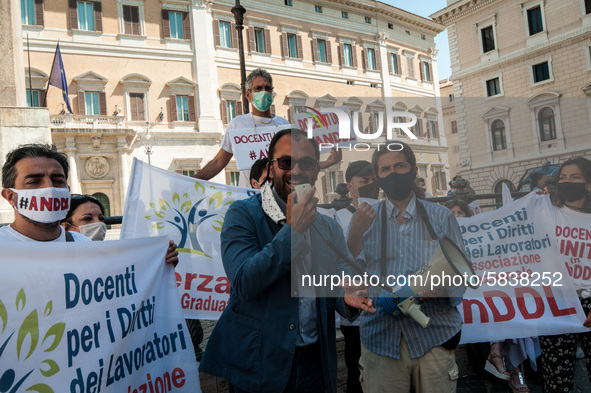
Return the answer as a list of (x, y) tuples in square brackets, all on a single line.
[(182, 213), (27, 342)]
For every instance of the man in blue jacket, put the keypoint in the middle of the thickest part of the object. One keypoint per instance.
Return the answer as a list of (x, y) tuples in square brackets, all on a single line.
[(272, 337)]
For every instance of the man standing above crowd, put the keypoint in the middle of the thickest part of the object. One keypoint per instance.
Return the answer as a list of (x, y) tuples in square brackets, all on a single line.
[(270, 339), (259, 92), (398, 353)]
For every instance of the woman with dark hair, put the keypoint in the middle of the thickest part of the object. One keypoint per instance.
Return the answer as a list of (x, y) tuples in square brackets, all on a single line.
[(86, 216), (459, 208), (573, 209)]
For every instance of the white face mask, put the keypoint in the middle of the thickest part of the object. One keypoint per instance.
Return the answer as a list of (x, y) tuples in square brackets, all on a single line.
[(44, 205), (95, 231)]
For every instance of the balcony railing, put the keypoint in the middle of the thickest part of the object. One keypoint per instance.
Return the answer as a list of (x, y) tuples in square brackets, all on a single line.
[(86, 121)]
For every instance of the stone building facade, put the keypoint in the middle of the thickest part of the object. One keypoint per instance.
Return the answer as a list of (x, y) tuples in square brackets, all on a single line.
[(521, 83), (159, 81)]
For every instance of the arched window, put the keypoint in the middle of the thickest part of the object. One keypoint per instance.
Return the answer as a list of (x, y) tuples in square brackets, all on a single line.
[(497, 130), (104, 200), (498, 189), (546, 124)]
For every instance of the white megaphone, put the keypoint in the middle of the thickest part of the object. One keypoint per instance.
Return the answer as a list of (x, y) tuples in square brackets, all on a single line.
[(448, 264)]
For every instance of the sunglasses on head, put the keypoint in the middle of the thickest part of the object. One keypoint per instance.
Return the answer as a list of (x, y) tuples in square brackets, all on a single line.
[(288, 163), (75, 197)]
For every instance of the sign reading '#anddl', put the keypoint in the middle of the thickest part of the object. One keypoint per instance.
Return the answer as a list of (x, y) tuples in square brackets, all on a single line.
[(92, 317)]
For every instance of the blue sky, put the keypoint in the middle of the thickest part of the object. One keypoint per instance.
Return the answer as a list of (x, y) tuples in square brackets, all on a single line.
[(426, 8)]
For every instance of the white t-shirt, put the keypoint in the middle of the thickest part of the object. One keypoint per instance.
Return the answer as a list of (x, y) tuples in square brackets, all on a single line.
[(573, 232), (7, 234), (248, 121)]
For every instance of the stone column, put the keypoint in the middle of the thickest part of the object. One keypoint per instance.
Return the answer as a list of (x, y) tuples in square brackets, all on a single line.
[(123, 170), (205, 70), (73, 176), (12, 77)]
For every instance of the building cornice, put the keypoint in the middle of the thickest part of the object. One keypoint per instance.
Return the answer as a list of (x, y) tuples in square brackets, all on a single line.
[(459, 9), (521, 53)]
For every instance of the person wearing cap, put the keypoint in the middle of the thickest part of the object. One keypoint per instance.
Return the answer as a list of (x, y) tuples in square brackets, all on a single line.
[(361, 184)]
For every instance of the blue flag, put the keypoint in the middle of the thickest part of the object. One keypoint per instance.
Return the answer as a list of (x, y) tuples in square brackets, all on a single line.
[(58, 76)]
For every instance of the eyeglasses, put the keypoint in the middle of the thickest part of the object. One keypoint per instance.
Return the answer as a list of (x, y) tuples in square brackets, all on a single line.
[(288, 163)]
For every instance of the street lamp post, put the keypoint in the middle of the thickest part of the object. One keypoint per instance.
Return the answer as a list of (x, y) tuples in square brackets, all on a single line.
[(148, 142), (238, 12)]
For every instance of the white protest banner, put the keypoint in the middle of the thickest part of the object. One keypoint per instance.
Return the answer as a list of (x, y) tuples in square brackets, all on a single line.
[(526, 290), (251, 144), (325, 125), (92, 317), (191, 212)]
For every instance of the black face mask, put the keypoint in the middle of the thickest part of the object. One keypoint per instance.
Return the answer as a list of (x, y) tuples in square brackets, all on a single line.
[(370, 190), (571, 192), (397, 186)]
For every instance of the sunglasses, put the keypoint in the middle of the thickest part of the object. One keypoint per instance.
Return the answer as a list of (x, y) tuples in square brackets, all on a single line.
[(287, 163), (75, 197)]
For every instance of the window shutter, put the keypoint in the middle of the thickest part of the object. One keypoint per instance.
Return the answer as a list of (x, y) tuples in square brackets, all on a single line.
[(103, 104), (250, 39), (378, 61), (133, 106), (165, 24), (42, 98), (328, 52), (284, 52), (421, 66), (98, 16), (39, 12), (390, 65), (315, 54), (300, 49), (341, 55), (443, 180), (216, 32), (354, 55), (397, 60), (81, 103), (173, 114), (238, 108), (73, 14), (192, 111), (267, 34), (224, 112), (430, 71), (233, 35), (127, 23), (186, 26), (135, 21), (364, 59)]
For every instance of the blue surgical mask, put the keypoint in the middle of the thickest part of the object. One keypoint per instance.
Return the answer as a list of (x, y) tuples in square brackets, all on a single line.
[(262, 100)]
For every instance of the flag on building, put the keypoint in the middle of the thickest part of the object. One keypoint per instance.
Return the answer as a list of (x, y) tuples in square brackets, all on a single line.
[(58, 76)]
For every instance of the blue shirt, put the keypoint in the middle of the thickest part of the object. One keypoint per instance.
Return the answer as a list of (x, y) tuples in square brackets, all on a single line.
[(407, 251)]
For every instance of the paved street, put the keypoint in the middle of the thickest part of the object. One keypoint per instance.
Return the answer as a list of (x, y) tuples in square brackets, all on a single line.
[(470, 380)]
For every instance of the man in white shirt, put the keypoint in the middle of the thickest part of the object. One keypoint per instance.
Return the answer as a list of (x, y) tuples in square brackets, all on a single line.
[(33, 174), (259, 92), (35, 183)]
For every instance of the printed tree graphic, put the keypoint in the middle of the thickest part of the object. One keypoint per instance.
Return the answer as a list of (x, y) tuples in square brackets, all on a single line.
[(187, 216), (28, 338)]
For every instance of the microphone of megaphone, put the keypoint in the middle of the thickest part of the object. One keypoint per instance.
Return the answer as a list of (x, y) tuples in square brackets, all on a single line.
[(448, 262)]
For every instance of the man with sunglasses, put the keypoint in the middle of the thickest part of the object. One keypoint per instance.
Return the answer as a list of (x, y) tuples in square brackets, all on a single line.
[(259, 92), (32, 173), (274, 336)]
